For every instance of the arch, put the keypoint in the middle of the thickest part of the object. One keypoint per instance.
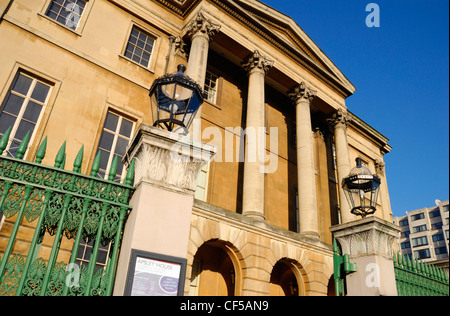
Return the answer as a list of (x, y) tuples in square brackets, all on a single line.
[(287, 279), (216, 270)]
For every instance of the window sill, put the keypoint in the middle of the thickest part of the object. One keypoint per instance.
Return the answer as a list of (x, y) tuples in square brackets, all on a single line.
[(136, 63), (75, 32)]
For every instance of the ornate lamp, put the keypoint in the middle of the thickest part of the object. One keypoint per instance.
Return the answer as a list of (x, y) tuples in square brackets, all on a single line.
[(175, 100), (361, 189)]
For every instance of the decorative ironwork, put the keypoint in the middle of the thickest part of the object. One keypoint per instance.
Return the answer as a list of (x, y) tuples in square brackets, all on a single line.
[(62, 203), (342, 268), (416, 278)]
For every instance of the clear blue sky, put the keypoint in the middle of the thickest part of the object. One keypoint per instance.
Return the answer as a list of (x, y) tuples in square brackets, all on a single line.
[(401, 71)]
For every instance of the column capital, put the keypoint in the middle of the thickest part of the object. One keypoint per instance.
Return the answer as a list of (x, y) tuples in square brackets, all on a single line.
[(339, 119), (302, 93), (202, 26), (257, 61)]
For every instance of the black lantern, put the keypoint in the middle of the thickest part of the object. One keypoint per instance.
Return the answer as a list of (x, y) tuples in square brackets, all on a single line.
[(175, 99), (361, 189)]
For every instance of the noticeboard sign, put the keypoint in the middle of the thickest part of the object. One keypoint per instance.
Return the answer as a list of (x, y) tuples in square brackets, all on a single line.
[(151, 274)]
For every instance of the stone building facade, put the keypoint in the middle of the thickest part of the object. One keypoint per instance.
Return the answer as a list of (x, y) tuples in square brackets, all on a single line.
[(80, 71)]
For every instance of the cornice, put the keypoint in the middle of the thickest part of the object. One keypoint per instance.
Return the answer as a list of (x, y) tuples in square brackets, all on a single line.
[(255, 23)]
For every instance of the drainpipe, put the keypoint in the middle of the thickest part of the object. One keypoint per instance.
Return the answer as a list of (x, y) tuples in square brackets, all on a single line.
[(171, 39), (6, 10)]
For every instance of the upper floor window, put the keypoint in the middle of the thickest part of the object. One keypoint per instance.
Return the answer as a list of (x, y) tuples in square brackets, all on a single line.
[(116, 134), (66, 12), (22, 109), (404, 222), (210, 87), (139, 47), (417, 216)]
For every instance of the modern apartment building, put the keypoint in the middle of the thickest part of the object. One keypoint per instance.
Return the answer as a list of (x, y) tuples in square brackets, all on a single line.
[(424, 233)]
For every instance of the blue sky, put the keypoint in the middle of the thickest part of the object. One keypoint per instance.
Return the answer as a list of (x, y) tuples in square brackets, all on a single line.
[(401, 71)]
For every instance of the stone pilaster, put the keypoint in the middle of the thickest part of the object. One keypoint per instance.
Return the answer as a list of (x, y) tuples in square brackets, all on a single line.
[(302, 97), (253, 193)]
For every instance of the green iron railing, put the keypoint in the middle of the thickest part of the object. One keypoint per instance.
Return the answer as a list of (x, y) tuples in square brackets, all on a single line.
[(416, 278), (342, 268), (63, 203)]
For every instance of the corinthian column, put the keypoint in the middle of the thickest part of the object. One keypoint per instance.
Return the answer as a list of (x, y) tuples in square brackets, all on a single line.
[(253, 194), (307, 201), (201, 31), (338, 123)]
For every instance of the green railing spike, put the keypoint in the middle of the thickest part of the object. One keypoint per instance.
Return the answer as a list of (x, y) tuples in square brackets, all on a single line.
[(40, 154), (414, 265), (60, 156), (4, 140), (130, 174), (400, 260), (408, 263), (96, 164), (419, 267), (113, 170), (78, 161), (23, 146)]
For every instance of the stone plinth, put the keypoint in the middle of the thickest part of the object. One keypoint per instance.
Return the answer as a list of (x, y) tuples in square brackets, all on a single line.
[(369, 243), (167, 166)]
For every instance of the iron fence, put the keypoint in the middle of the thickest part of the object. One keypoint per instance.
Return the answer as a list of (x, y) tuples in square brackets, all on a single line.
[(59, 203)]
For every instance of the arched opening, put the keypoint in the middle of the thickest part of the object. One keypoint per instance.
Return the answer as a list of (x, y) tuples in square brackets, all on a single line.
[(331, 287), (213, 272), (283, 281)]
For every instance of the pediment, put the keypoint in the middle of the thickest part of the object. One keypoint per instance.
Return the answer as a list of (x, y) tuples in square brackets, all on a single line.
[(279, 29)]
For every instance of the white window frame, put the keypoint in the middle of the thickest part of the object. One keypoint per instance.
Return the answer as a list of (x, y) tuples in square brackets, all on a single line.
[(81, 22), (116, 134), (24, 105)]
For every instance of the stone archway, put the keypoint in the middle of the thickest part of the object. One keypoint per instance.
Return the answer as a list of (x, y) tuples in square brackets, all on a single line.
[(215, 271)]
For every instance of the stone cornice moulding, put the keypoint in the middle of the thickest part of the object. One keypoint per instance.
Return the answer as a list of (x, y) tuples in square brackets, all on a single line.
[(335, 79), (368, 236)]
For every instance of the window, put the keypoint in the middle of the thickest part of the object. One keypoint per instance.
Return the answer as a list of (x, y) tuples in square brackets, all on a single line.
[(435, 213), (202, 184), (116, 135), (406, 245), (420, 241), (436, 226), (66, 12), (405, 234), (22, 109), (445, 207), (440, 251), (403, 222), (416, 217), (139, 47), (422, 254), (438, 237), (420, 228), (210, 87), (84, 254)]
